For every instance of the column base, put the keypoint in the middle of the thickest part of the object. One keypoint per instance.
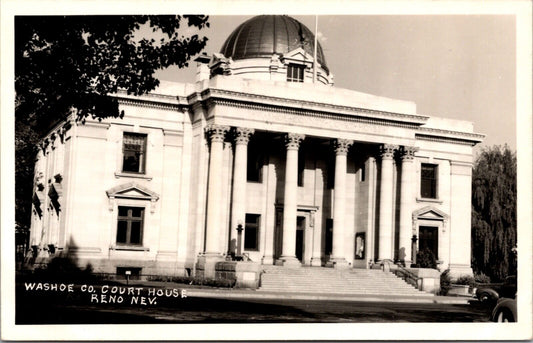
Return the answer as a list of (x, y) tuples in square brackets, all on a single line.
[(205, 266), (268, 260), (288, 261), (338, 263), (316, 262)]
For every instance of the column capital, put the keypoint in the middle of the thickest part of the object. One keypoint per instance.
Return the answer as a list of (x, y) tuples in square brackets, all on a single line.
[(408, 153), (242, 135), (293, 140), (341, 146), (387, 151), (216, 133)]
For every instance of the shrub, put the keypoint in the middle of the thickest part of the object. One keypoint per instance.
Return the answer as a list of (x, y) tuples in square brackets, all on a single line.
[(426, 259), (481, 278), (189, 280), (466, 280), (445, 282)]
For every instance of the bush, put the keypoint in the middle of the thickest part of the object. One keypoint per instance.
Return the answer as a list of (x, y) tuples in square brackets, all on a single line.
[(445, 282), (466, 280), (426, 259), (481, 278), (64, 269)]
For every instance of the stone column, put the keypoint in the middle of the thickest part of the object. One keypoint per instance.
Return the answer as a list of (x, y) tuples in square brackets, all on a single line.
[(238, 203), (406, 200), (337, 259), (216, 135), (385, 203), (288, 252)]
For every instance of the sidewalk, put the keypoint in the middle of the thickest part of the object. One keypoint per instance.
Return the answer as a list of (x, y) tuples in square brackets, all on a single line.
[(230, 293)]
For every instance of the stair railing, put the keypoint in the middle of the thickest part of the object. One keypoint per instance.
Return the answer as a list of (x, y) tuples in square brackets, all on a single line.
[(407, 276)]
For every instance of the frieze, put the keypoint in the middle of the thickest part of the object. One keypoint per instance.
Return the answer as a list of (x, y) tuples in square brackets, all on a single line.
[(305, 114), (415, 120), (242, 135), (152, 104)]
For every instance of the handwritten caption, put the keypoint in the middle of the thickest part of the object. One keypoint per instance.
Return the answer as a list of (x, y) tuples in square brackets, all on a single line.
[(110, 294)]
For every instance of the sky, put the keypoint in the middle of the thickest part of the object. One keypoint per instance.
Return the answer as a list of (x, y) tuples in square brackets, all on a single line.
[(452, 66)]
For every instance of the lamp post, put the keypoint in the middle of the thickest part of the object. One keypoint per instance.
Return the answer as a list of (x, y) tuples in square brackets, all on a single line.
[(239, 238), (414, 239)]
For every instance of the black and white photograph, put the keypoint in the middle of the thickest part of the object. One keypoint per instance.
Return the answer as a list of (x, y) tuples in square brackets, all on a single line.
[(266, 171)]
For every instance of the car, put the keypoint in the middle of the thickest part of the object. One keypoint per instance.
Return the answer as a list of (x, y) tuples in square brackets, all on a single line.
[(490, 293), (504, 311)]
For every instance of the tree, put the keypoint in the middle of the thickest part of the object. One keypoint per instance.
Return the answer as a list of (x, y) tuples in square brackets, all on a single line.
[(494, 212), (71, 64)]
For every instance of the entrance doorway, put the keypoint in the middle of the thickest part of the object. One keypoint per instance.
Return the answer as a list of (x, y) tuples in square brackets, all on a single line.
[(300, 238), (429, 238)]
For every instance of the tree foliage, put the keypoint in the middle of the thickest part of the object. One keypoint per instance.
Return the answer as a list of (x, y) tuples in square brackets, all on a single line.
[(494, 212), (70, 64)]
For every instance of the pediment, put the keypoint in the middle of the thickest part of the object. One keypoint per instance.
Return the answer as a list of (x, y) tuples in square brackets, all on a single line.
[(132, 190), (431, 213), (298, 54)]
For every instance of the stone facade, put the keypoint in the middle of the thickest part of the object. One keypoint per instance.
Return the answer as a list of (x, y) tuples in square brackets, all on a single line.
[(312, 174)]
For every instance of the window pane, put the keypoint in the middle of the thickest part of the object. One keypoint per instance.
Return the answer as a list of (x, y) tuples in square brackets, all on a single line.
[(135, 236), (134, 146), (122, 230), (136, 212), (123, 211), (250, 238), (428, 181)]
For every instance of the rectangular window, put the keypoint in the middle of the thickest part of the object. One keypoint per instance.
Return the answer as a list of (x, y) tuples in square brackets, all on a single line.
[(133, 152), (428, 181), (130, 225), (329, 236), (251, 232), (295, 73)]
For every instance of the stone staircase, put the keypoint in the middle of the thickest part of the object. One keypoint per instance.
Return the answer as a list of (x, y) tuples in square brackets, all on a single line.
[(334, 281)]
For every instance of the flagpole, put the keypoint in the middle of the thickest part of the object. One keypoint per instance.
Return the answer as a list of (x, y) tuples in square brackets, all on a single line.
[(315, 50)]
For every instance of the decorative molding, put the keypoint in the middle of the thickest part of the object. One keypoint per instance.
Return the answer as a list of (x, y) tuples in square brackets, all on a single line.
[(408, 153), (132, 190), (429, 213), (342, 146), (414, 120), (293, 140), (216, 133), (387, 151), (119, 175), (242, 135), (451, 140)]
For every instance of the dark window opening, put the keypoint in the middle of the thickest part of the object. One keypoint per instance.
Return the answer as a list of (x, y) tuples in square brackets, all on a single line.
[(130, 225), (330, 173), (301, 167), (429, 238), (428, 181), (363, 172), (295, 73), (255, 162), (251, 232), (329, 236), (134, 153)]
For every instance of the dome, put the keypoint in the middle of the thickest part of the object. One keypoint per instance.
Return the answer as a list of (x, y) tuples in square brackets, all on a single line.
[(265, 35)]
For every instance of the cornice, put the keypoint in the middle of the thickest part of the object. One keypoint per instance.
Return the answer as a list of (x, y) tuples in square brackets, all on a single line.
[(311, 113), (444, 139), (143, 102), (410, 120)]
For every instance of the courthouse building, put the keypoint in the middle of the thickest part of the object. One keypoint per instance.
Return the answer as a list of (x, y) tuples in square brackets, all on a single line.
[(261, 159)]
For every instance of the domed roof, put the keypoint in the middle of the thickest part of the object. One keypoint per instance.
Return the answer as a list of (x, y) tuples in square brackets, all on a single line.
[(265, 35)]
